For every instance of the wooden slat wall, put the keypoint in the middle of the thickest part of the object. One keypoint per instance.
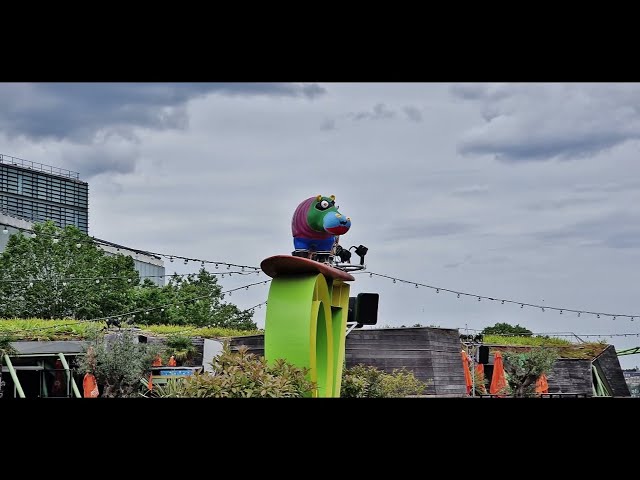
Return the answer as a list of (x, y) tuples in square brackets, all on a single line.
[(432, 354), (255, 343), (610, 364), (570, 376)]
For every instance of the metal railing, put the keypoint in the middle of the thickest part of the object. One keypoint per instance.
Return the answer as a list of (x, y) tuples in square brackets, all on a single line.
[(41, 167)]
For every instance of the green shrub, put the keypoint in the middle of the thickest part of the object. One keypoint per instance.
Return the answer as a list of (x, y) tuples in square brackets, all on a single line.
[(118, 364), (182, 349), (240, 375), (363, 381), (401, 383)]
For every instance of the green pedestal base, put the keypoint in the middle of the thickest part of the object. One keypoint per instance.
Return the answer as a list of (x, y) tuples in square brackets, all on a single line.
[(306, 325)]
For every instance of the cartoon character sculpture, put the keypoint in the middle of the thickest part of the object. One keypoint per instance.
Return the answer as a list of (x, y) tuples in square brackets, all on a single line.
[(316, 225), (308, 303)]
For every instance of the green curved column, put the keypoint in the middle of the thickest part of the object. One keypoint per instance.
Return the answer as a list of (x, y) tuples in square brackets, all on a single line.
[(306, 325)]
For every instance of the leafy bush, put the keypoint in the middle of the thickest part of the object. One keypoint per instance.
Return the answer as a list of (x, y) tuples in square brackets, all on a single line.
[(363, 381), (119, 363), (240, 375)]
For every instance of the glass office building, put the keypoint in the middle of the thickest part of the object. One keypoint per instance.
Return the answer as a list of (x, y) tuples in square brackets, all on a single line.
[(36, 192), (32, 192)]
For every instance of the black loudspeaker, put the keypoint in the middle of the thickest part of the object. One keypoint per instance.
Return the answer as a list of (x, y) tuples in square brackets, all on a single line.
[(363, 309), (483, 354)]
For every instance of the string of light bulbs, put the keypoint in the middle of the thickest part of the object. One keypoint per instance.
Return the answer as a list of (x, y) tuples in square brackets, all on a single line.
[(79, 322), (561, 310), (552, 334), (147, 310), (173, 304), (171, 257), (128, 279), (541, 334), (193, 328)]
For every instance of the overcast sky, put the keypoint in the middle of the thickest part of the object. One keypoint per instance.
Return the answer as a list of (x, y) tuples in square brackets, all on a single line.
[(525, 192)]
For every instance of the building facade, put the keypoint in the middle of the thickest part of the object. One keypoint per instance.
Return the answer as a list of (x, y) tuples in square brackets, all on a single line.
[(32, 192), (36, 192)]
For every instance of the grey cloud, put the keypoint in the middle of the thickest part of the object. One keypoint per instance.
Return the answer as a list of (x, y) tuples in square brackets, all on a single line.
[(609, 187), (471, 190), (380, 112), (617, 230), (452, 265), (79, 111), (410, 230), (413, 114), (479, 91), (111, 156), (537, 122), (328, 124), (564, 203)]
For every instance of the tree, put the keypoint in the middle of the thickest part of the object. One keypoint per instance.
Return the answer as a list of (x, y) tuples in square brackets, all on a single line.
[(506, 329), (119, 363), (194, 299), (62, 273), (523, 369)]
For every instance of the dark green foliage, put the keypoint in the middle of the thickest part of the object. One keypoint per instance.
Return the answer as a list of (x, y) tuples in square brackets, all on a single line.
[(523, 369), (119, 363), (363, 381), (241, 375), (506, 329), (49, 276), (194, 299)]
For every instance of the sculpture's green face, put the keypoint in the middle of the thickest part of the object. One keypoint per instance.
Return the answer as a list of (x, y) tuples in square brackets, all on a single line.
[(324, 216)]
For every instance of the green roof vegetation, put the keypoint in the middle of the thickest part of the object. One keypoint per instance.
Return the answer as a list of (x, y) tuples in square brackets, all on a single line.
[(193, 331), (37, 329), (565, 348), (531, 341)]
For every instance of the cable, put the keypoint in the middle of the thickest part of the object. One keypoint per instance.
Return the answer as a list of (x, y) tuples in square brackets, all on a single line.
[(171, 257), (503, 300), (67, 279), (250, 309), (133, 312), (109, 317)]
